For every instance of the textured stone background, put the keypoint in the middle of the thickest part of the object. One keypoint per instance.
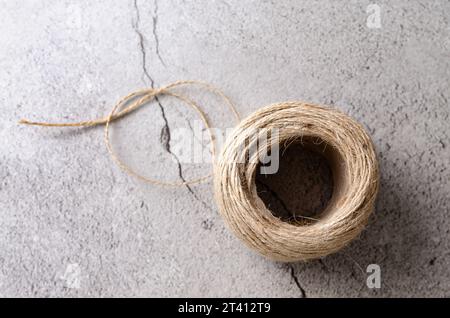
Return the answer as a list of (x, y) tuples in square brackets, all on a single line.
[(73, 224)]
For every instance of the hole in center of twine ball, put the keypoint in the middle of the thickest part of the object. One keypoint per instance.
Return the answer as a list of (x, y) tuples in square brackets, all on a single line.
[(302, 187)]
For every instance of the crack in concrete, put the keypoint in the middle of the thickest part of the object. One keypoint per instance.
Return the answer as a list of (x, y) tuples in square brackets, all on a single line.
[(276, 197), (155, 33), (296, 281), (293, 216), (135, 23), (324, 266), (165, 135), (165, 131)]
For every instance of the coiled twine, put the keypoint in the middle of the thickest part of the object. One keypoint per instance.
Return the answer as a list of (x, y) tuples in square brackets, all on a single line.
[(352, 159)]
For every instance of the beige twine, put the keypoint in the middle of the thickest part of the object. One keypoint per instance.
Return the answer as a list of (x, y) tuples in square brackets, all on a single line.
[(138, 99), (351, 155), (346, 145)]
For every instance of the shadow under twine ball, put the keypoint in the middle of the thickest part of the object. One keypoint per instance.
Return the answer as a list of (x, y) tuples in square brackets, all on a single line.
[(278, 217)]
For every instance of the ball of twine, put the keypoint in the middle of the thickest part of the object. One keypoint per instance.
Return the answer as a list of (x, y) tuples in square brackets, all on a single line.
[(352, 159)]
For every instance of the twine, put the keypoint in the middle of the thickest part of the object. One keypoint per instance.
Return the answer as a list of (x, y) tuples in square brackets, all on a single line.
[(138, 99), (346, 145), (351, 155)]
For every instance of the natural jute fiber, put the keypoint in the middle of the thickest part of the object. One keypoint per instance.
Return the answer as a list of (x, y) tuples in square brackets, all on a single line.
[(343, 141), (134, 101), (351, 155)]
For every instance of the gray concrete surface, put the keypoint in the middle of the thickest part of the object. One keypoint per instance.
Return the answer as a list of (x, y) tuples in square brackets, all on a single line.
[(73, 224)]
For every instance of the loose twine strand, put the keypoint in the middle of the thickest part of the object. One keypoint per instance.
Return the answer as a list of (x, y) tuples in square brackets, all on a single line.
[(141, 98)]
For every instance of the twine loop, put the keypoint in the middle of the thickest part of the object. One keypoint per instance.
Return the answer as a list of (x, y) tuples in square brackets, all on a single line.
[(134, 101)]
